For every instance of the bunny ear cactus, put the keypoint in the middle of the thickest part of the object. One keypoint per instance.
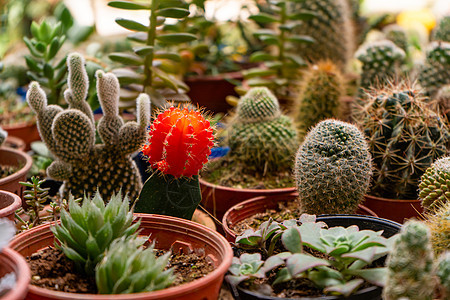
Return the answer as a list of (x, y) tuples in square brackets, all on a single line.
[(260, 135), (319, 96), (436, 71), (332, 168), (405, 136), (410, 265), (70, 135), (434, 187), (179, 145)]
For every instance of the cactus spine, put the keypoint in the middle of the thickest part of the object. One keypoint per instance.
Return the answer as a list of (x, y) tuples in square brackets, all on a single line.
[(436, 71), (405, 136), (410, 265), (332, 168), (434, 187), (70, 135), (259, 135), (439, 223), (319, 96)]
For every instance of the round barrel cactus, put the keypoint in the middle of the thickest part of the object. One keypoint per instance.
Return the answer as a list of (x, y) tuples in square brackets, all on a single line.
[(434, 187)]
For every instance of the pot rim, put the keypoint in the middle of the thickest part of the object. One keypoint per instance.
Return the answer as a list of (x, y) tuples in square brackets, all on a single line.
[(219, 240), (10, 209), (22, 271), (367, 196), (231, 189), (19, 173), (217, 77), (17, 141), (19, 125)]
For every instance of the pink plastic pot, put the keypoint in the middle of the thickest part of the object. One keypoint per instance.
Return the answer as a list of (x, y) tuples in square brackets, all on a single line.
[(11, 261), (168, 233), (9, 203)]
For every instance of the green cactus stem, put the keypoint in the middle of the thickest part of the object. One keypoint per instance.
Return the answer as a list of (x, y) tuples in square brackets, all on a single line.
[(435, 73), (434, 187)]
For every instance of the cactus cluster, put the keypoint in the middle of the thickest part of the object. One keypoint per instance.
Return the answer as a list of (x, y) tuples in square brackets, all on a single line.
[(70, 135), (442, 30), (436, 71), (331, 29), (439, 223), (332, 168), (434, 187), (380, 62), (410, 265), (319, 96), (260, 135), (3, 136), (405, 136)]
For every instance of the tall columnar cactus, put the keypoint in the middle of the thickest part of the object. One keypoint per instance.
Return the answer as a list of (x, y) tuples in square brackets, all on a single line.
[(439, 223), (436, 71), (405, 136), (3, 135), (380, 62), (434, 187), (410, 265), (260, 135), (332, 168), (319, 96), (70, 135), (442, 31), (397, 35), (332, 31)]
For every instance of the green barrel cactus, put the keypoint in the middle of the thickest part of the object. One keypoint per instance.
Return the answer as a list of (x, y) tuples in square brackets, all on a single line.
[(381, 61), (410, 265), (3, 136), (70, 135), (442, 31), (319, 96), (397, 35), (260, 135), (331, 29), (434, 187), (332, 168), (439, 223), (405, 136), (435, 73)]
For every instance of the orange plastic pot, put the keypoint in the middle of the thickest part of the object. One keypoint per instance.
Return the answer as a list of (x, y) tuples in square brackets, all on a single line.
[(15, 158), (167, 233), (394, 209), (11, 261), (15, 143), (27, 132), (257, 205), (218, 199), (9, 203)]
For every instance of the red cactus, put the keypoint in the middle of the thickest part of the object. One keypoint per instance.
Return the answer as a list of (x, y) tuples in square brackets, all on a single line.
[(180, 142)]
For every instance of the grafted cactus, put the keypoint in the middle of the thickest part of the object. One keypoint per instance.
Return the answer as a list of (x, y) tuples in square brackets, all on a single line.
[(3, 135), (434, 187), (435, 73), (70, 135)]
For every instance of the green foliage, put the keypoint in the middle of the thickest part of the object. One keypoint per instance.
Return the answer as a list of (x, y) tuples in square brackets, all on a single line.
[(128, 267), (70, 135), (434, 187), (319, 96), (410, 265), (442, 30), (332, 168), (148, 74), (347, 254), (259, 135), (405, 136), (86, 231), (435, 73)]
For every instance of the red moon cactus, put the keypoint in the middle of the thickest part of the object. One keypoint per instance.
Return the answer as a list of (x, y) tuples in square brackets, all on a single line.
[(180, 142)]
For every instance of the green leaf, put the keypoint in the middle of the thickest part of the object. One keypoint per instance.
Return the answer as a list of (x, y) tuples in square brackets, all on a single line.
[(143, 51), (282, 276), (325, 276), (298, 60), (345, 289), (40, 47), (128, 5), (34, 28), (261, 32), (126, 58), (289, 26), (140, 37), (33, 66), (93, 249), (104, 237), (176, 38), (269, 40), (168, 55), (45, 32), (56, 30), (259, 56), (31, 47), (272, 262), (264, 18), (131, 25), (367, 255), (173, 12), (304, 15), (376, 276), (260, 82), (53, 49), (48, 71), (73, 255), (292, 240), (170, 83), (258, 72), (299, 263), (311, 236), (301, 39)]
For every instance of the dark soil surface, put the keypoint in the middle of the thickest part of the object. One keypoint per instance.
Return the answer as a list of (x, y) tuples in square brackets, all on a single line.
[(51, 269), (7, 170)]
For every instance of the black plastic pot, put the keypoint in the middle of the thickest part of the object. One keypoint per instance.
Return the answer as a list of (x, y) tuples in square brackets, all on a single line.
[(389, 228)]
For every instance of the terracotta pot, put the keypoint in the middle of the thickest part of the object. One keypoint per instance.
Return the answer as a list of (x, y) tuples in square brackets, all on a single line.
[(168, 233), (14, 143), (256, 205), (27, 132), (16, 158), (9, 203), (218, 199), (210, 91), (394, 209), (11, 261)]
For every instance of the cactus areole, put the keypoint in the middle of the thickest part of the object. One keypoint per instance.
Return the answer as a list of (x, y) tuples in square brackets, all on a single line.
[(179, 145)]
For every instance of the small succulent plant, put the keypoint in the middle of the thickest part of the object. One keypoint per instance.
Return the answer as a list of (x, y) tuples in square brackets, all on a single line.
[(180, 141), (128, 267), (434, 187), (86, 231)]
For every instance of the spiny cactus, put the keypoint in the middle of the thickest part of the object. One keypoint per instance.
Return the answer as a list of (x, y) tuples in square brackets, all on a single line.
[(434, 187), (87, 230), (405, 136), (332, 168), (436, 71), (319, 96), (129, 268), (397, 35), (260, 135), (331, 29), (410, 265), (443, 99), (443, 273), (3, 136), (442, 31), (439, 223), (380, 62), (70, 135)]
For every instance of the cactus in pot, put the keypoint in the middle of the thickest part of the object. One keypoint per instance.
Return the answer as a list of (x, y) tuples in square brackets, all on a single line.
[(434, 187), (442, 30), (332, 168), (70, 135), (435, 73)]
